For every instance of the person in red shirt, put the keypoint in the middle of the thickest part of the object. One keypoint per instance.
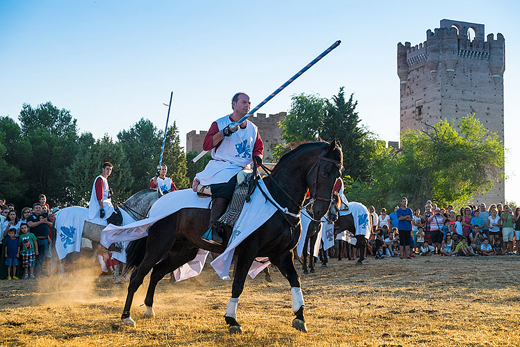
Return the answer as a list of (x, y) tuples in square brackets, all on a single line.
[(161, 182)]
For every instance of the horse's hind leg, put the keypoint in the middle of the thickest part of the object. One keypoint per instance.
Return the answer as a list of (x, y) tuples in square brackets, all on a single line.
[(286, 266), (179, 255), (160, 240)]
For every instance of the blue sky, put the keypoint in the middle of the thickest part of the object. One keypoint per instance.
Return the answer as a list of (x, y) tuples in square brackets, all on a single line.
[(113, 62)]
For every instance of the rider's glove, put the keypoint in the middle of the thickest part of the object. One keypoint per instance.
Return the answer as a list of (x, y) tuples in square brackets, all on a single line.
[(229, 130), (257, 160), (102, 213)]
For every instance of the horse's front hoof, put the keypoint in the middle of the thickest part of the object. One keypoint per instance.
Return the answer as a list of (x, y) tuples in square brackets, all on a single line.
[(128, 322), (149, 313), (235, 329), (300, 325)]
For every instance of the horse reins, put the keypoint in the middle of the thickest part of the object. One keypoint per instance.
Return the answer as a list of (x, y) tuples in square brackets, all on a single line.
[(313, 196)]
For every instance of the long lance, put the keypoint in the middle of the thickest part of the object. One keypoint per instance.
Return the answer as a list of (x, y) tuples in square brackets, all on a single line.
[(282, 87), (165, 130)]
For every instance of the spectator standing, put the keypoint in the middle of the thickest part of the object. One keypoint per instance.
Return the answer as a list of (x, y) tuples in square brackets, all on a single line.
[(477, 221), (507, 230), (374, 218), (26, 212), (384, 219), (404, 216), (394, 220), (12, 253), (420, 238), (436, 222), (11, 221), (466, 223), (458, 227), (416, 223), (39, 225), (29, 246), (517, 229), (484, 214), (493, 224), (426, 220)]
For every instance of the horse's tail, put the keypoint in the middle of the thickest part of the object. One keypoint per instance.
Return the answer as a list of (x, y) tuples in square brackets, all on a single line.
[(135, 252)]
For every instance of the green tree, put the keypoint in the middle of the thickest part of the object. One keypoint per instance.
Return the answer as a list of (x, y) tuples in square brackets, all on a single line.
[(312, 118), (142, 145), (51, 136), (175, 158), (443, 164), (87, 166), (12, 184)]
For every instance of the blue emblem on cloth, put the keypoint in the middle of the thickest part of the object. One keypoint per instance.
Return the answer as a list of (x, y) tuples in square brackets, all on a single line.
[(330, 234), (67, 236), (363, 220), (234, 235), (243, 149)]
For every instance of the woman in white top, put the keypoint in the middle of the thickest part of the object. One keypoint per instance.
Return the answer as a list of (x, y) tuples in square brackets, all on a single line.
[(383, 219), (493, 223), (11, 221)]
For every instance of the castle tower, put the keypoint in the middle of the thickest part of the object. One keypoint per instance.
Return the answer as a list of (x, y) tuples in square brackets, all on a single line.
[(451, 75)]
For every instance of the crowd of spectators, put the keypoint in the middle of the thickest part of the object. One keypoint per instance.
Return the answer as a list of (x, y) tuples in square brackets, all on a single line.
[(442, 231), (25, 239)]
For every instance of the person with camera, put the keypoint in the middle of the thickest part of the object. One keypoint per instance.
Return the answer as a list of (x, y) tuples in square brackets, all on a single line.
[(162, 183), (101, 209), (39, 224), (233, 147), (436, 223)]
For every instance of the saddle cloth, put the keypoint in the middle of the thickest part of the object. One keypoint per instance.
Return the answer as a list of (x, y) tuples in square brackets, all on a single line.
[(254, 214)]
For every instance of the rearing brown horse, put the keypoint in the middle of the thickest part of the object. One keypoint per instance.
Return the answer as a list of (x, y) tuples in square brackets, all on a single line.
[(175, 240)]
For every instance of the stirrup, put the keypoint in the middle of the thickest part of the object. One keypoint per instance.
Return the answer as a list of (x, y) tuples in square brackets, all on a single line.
[(211, 236)]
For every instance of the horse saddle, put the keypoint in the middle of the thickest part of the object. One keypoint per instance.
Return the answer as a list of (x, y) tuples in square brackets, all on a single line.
[(205, 191), (92, 231)]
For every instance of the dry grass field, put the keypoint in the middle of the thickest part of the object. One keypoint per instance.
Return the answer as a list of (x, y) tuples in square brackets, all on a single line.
[(427, 301)]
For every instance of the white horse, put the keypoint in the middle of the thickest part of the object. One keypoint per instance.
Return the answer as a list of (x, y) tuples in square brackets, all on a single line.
[(72, 223)]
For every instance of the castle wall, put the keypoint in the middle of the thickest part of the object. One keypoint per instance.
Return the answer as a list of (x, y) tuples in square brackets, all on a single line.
[(448, 76), (267, 125)]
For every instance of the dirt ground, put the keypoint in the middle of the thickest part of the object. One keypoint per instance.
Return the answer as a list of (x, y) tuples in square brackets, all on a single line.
[(426, 301)]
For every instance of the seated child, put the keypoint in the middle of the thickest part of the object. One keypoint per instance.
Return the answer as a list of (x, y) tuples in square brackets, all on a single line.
[(485, 248), (420, 238), (497, 247), (447, 247), (463, 249), (426, 249)]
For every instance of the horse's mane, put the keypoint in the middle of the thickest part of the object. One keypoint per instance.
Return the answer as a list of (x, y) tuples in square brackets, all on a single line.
[(302, 148)]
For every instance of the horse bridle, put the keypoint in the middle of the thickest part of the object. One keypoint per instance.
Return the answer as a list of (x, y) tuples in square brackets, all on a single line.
[(313, 197)]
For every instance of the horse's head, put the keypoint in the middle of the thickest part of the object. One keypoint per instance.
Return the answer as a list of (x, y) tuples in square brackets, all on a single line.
[(322, 176), (332, 216)]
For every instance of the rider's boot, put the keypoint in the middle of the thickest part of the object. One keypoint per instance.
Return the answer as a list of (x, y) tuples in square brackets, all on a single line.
[(218, 207)]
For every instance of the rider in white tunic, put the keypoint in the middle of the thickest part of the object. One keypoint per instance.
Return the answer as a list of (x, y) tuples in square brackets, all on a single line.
[(162, 183), (101, 209), (233, 147)]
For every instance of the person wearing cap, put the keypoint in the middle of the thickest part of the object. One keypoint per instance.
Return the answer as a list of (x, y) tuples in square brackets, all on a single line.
[(436, 223)]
